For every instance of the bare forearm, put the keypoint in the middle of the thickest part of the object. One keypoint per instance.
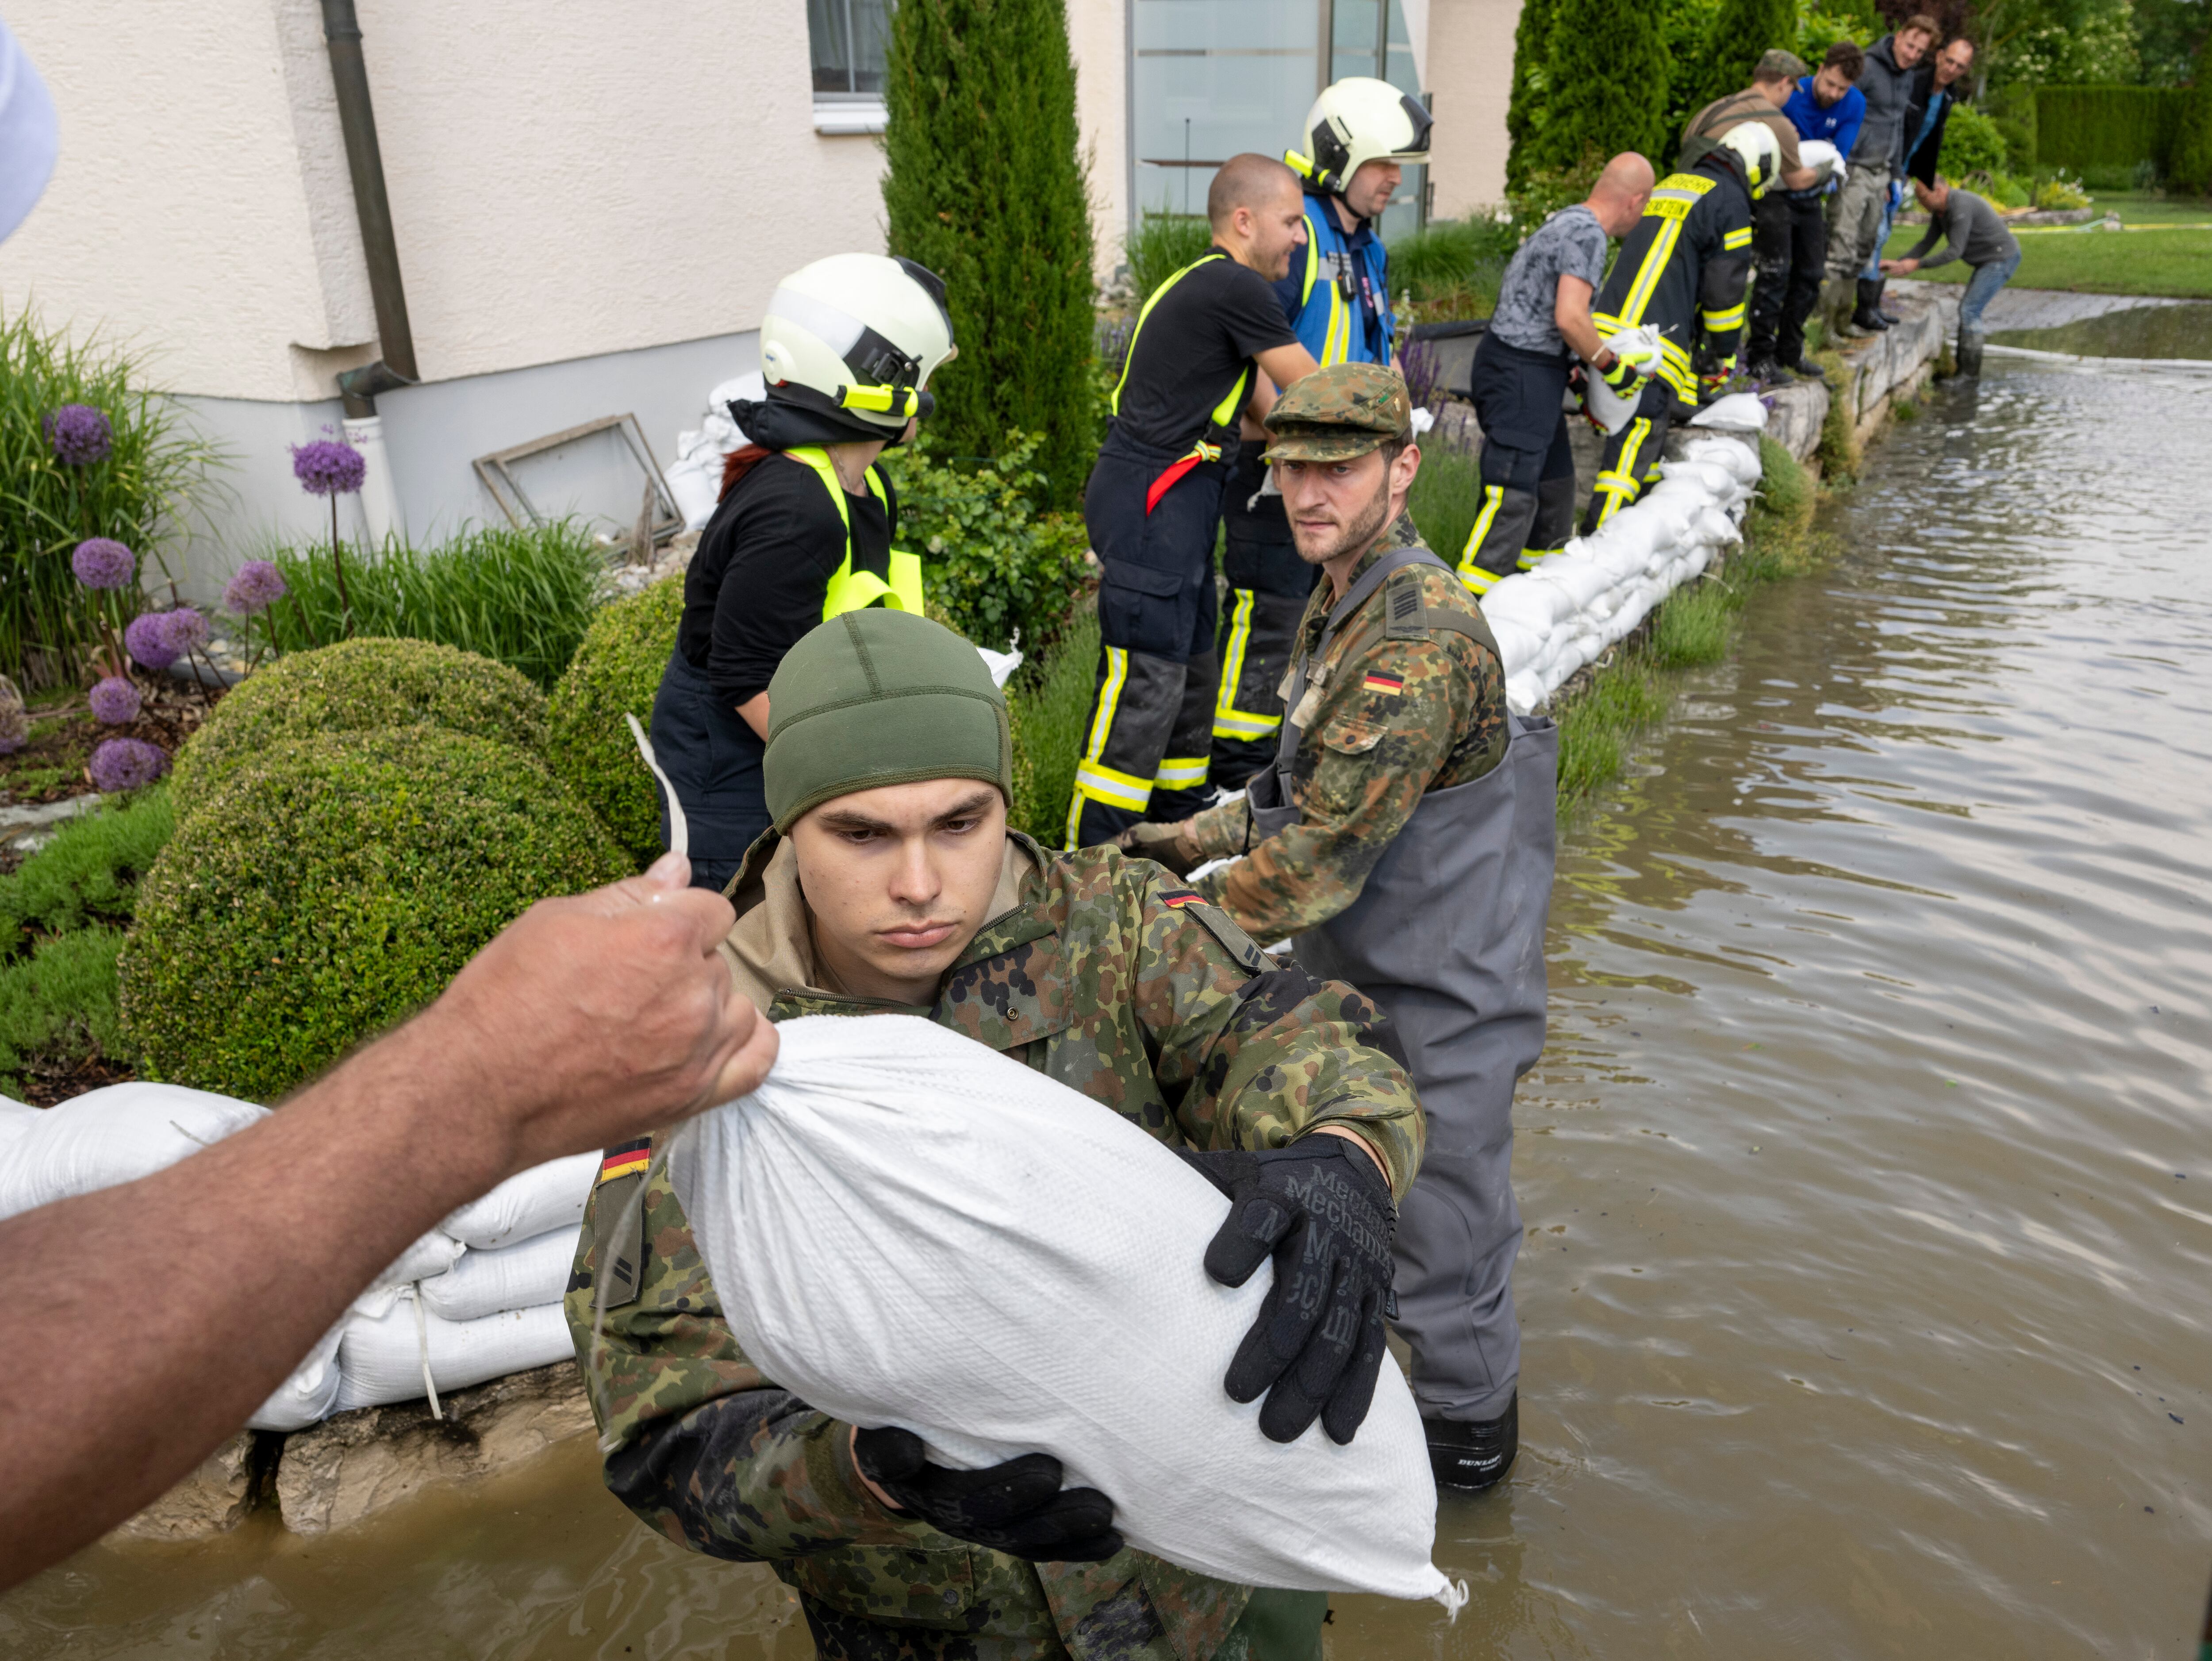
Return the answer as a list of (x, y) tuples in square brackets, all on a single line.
[(208, 1283)]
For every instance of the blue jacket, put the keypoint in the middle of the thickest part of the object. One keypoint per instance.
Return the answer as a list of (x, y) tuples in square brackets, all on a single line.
[(1335, 326), (1838, 123)]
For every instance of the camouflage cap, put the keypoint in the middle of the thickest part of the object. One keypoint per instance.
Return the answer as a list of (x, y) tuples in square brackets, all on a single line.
[(1338, 413), (1778, 63)]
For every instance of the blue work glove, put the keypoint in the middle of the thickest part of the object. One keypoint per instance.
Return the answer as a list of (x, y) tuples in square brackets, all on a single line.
[(1321, 1209)]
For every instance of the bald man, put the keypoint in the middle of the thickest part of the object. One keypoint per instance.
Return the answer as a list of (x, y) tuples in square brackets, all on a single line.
[(1195, 364), (1520, 376)]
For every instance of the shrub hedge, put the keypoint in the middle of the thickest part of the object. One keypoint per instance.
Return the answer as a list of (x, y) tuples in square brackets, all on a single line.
[(357, 686), (2107, 126), (331, 888), (616, 671)]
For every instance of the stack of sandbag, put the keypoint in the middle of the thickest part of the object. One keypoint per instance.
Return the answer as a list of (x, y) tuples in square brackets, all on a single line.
[(907, 1228), (1552, 621), (694, 477), (476, 1298)]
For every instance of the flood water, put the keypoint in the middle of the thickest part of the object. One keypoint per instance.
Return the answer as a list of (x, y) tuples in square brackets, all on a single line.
[(2137, 331), (1870, 1211)]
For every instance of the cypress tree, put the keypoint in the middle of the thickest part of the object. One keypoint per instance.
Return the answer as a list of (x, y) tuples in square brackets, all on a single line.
[(1525, 105), (985, 187), (1606, 75), (1742, 32), (2191, 164)]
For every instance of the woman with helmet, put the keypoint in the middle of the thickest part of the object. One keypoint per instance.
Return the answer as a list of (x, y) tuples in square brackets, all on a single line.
[(1681, 273), (804, 529)]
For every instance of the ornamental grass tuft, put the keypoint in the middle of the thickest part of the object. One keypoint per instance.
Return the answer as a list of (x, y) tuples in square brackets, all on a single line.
[(355, 687), (330, 889), (616, 672)]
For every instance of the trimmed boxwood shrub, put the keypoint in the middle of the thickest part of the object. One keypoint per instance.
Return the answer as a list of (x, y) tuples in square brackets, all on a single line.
[(616, 671), (357, 686), (331, 888)]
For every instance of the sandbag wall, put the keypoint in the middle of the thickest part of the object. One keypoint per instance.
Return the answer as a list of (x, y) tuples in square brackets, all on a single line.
[(1553, 619), (476, 1298)]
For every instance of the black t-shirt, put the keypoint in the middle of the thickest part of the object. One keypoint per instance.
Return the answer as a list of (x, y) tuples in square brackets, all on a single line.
[(763, 567), (1198, 339)]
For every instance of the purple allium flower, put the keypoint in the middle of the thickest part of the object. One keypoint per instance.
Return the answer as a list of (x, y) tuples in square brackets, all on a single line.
[(147, 641), (80, 435), (115, 701), (186, 630), (120, 764), (103, 562), (328, 467), (257, 586)]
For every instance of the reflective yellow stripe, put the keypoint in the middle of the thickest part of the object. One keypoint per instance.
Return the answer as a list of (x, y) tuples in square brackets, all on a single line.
[(1736, 238), (1113, 403), (1618, 485), (1110, 699), (1479, 580), (1721, 322), (1182, 772), (1225, 411), (1116, 789), (1229, 721), (1493, 496), (1532, 557), (1648, 274), (1312, 263), (849, 590)]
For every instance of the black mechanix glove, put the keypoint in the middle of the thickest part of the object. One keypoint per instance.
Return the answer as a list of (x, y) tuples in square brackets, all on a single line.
[(1322, 1209), (1017, 1507)]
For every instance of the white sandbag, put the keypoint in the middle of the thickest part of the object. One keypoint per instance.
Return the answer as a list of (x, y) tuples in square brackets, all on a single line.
[(433, 1254), (1714, 528), (112, 1136), (1524, 693), (15, 1118), (696, 482), (1610, 410), (1717, 481), (528, 1203), (1822, 157), (310, 1395), (749, 386), (1002, 664), (1741, 460), (907, 1228), (1525, 601), (1575, 574), (514, 1277), (381, 1357), (1739, 411), (1516, 646)]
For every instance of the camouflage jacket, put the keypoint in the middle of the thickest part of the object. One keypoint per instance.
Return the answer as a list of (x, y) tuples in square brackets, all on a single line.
[(1111, 977), (1392, 720)]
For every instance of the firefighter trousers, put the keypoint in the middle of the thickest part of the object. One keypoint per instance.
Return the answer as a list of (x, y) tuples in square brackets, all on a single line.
[(1528, 507), (1147, 745), (1630, 460), (1268, 586)]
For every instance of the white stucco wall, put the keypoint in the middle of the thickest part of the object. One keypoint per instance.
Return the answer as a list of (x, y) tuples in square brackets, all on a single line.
[(566, 180), (1470, 74), (1097, 38)]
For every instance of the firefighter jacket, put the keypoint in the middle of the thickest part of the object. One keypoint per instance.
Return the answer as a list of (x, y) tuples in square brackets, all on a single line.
[(1341, 307), (1683, 270)]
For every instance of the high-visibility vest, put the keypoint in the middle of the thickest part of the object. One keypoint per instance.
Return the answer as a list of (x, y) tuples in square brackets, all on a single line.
[(1224, 414), (1327, 316), (851, 590)]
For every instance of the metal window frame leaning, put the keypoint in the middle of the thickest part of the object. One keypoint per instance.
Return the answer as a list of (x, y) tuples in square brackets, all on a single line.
[(493, 470)]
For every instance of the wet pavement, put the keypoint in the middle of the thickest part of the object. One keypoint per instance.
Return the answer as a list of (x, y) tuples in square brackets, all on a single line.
[(1869, 1213)]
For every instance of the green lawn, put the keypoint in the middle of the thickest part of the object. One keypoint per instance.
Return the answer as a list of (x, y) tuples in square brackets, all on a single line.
[(2178, 262)]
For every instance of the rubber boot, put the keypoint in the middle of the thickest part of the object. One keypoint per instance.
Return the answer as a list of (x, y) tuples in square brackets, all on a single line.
[(1969, 354), (1890, 319), (1474, 1456), (1835, 306), (1768, 372), (1866, 319), (1806, 369)]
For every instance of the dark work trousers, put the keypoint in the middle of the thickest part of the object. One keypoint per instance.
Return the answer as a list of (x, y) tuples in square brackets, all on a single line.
[(1630, 460), (1269, 585), (714, 760), (1148, 746), (1528, 468), (1791, 242)]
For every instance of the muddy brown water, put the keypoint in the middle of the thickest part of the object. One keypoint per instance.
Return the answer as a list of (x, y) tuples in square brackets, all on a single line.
[(1869, 1213)]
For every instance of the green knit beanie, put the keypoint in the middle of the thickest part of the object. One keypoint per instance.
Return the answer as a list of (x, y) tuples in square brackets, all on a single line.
[(880, 697)]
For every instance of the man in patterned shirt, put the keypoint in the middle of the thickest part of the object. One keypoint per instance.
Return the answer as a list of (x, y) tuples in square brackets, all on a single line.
[(1404, 836), (1520, 378)]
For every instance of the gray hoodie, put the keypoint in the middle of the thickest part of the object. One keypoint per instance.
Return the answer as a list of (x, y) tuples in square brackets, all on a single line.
[(1888, 92)]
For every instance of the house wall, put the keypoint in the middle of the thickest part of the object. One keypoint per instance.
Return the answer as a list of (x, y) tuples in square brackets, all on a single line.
[(1470, 76)]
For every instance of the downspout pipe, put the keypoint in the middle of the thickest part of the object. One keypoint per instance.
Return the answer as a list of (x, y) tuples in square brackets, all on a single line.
[(365, 162)]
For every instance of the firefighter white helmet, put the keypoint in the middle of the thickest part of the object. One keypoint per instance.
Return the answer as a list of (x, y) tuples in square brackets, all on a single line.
[(1760, 152), (1359, 120), (860, 334)]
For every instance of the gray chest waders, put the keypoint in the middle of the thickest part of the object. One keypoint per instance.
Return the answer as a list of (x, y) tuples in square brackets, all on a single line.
[(1447, 936)]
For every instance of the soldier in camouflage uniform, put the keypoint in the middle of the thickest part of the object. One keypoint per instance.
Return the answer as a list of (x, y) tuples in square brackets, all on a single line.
[(1100, 971), (1404, 837)]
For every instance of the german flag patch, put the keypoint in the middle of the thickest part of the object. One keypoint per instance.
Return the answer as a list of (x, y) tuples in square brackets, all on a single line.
[(1390, 686), (629, 1160), (1180, 897)]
